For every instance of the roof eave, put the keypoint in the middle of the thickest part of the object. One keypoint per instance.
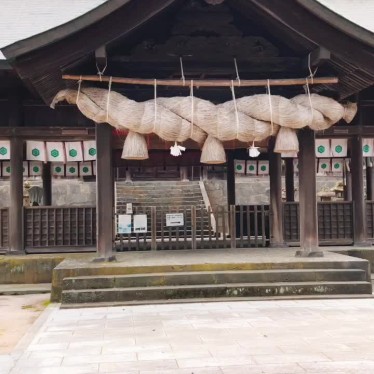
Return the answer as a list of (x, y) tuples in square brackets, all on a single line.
[(339, 22)]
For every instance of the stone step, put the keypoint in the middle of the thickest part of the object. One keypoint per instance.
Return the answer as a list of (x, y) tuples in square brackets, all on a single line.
[(211, 277), (216, 291)]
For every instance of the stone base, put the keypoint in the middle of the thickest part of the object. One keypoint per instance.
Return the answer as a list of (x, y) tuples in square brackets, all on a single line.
[(302, 253), (105, 259)]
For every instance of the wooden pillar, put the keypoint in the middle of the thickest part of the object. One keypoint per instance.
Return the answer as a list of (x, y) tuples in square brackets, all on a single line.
[(290, 183), (358, 198), (369, 180), (230, 179), (16, 244), (47, 184), (307, 196), (276, 206), (104, 191)]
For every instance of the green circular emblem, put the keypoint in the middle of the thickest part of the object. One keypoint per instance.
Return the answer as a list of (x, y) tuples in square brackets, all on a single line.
[(338, 149), (72, 169), (321, 149), (35, 152), (55, 153), (7, 169), (365, 148), (263, 168), (85, 169), (73, 153), (92, 151), (3, 151), (251, 167), (336, 166), (323, 166), (58, 169), (239, 167), (35, 169)]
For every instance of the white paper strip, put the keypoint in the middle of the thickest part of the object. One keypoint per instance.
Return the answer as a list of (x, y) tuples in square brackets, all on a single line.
[(89, 150), (263, 167), (324, 165), (367, 147), (4, 150), (339, 147), (25, 166), (337, 165), (58, 169), (71, 169), (239, 166), (252, 167), (85, 168), (55, 152), (35, 168), (74, 151), (35, 151), (5, 166), (296, 165), (322, 148)]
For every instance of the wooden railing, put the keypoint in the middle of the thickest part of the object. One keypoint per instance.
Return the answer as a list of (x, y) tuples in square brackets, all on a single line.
[(67, 228), (220, 227), (335, 222), (4, 228)]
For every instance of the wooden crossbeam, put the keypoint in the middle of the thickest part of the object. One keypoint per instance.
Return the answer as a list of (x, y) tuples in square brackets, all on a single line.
[(204, 82)]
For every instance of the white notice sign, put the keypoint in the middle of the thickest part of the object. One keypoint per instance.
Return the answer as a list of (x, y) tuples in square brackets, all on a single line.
[(174, 219), (140, 223), (124, 224), (129, 208)]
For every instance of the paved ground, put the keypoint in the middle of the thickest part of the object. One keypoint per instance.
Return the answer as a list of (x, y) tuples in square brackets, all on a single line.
[(303, 336)]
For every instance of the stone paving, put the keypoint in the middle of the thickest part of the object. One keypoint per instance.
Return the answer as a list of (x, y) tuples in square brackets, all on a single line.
[(283, 336)]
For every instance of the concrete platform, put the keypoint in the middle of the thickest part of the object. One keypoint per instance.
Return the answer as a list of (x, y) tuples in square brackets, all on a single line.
[(199, 261)]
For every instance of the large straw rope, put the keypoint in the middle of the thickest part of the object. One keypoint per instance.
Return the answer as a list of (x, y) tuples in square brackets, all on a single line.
[(247, 119)]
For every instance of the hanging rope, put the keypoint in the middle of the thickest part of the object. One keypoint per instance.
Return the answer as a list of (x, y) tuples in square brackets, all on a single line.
[(108, 99), (79, 89), (237, 71), (155, 101), (311, 74), (270, 106), (192, 108), (236, 109), (100, 73), (182, 71)]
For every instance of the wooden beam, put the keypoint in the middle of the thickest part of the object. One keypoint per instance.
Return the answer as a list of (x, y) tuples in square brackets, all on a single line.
[(276, 206), (204, 82), (101, 57), (104, 191), (369, 182), (317, 58), (16, 244), (308, 196), (61, 133)]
